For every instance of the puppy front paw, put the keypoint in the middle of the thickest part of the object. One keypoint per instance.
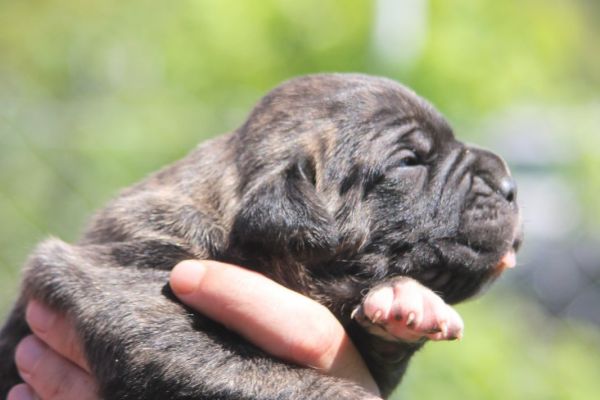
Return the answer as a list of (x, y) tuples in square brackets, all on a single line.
[(404, 310)]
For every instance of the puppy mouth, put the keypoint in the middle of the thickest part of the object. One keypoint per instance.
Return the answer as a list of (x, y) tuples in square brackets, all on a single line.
[(456, 283), (494, 229), (508, 259)]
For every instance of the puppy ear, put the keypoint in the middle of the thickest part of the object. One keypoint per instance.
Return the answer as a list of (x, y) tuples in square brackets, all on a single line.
[(285, 216)]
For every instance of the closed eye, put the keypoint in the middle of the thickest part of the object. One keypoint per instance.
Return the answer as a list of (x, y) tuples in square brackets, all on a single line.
[(407, 158)]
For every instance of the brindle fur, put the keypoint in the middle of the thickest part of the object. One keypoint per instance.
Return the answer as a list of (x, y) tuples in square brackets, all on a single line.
[(334, 184)]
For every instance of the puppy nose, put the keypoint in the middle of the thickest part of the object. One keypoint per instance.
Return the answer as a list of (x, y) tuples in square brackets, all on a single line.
[(493, 171), (508, 188)]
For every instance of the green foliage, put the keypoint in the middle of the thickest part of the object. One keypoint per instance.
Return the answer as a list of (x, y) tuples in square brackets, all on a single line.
[(96, 94), (490, 54)]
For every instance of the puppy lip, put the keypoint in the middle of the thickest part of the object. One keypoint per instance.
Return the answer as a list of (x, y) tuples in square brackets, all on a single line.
[(509, 259)]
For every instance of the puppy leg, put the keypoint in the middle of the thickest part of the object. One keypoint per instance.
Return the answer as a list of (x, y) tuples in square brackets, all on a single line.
[(142, 344), (404, 310), (394, 321)]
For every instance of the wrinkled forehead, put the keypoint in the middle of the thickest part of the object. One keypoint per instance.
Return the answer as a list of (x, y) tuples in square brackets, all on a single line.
[(385, 114), (338, 116)]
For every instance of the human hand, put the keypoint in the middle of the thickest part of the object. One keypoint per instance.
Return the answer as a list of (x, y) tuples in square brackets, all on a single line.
[(52, 364), (51, 361)]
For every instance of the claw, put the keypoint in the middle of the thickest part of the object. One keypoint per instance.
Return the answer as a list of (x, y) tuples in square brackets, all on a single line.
[(377, 316), (355, 312), (444, 328), (410, 320)]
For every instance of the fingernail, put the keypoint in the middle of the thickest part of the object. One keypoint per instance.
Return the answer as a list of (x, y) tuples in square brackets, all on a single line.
[(39, 317), (22, 392), (29, 351), (186, 276)]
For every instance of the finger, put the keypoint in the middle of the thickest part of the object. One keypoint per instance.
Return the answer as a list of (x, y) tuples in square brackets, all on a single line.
[(257, 308), (280, 321), (21, 392), (51, 376), (57, 332)]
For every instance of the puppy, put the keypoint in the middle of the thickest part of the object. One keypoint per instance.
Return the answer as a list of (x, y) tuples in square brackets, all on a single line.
[(349, 189)]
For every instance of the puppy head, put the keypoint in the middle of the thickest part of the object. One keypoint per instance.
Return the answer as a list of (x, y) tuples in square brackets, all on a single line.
[(362, 177)]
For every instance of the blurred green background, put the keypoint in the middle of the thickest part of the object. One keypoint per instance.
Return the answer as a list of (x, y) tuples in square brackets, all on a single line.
[(96, 94)]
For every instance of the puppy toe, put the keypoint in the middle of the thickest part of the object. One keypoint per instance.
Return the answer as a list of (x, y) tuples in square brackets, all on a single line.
[(456, 325), (378, 304), (405, 310), (444, 322)]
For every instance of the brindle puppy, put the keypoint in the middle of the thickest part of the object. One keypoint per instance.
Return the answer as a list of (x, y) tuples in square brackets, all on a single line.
[(336, 186)]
